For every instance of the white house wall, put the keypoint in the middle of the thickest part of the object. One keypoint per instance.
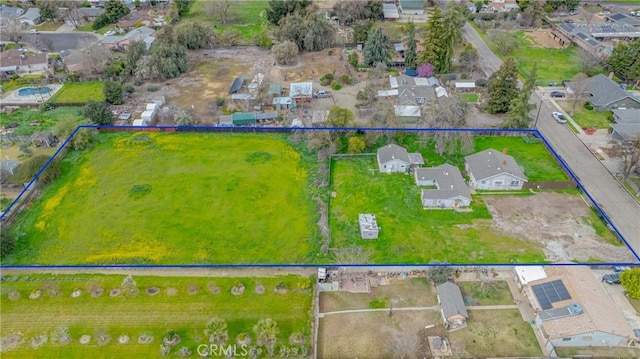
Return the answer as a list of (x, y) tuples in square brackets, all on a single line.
[(25, 69), (393, 166), (498, 182), (445, 203)]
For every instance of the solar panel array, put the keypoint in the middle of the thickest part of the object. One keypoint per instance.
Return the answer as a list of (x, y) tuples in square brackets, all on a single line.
[(617, 16), (567, 27), (582, 35), (551, 292), (607, 28), (593, 42)]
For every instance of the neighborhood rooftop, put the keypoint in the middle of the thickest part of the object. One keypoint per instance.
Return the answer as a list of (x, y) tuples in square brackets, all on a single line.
[(393, 151), (451, 300), (447, 178), (488, 163)]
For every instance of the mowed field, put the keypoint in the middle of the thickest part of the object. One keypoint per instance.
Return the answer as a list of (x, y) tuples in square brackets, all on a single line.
[(79, 92), (181, 304), (152, 198)]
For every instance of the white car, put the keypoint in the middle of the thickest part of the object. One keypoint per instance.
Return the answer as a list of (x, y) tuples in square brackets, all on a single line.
[(34, 31), (559, 117), (110, 33)]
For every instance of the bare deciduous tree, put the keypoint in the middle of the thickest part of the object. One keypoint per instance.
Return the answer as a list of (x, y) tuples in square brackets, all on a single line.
[(401, 346), (13, 30), (590, 61), (96, 58), (74, 16), (451, 113), (222, 9), (580, 84), (587, 16), (629, 157)]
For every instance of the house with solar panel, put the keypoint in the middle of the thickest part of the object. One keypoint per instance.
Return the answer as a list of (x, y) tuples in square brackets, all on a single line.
[(574, 310)]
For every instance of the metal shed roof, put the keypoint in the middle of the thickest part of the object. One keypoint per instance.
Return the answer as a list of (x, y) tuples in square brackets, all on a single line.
[(237, 83)]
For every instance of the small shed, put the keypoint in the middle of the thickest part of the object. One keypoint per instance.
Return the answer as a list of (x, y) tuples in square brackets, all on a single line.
[(236, 85), (452, 308), (281, 103), (124, 116), (147, 116), (275, 89), (368, 226), (464, 86), (137, 122), (151, 107), (266, 116), (243, 118), (301, 90)]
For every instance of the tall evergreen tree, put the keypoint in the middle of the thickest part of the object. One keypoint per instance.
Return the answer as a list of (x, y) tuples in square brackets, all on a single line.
[(433, 39), (625, 60), (520, 107), (411, 53), (453, 21), (503, 87), (376, 48)]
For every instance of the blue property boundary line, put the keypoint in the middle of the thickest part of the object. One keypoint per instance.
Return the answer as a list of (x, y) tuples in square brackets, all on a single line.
[(252, 129)]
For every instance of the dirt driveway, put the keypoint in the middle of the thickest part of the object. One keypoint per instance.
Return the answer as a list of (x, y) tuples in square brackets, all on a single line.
[(559, 221)]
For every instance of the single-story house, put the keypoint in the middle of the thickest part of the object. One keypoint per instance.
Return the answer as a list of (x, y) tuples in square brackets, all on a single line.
[(390, 12), (31, 17), (574, 310), (412, 7), (605, 94), (15, 61), (627, 115), (494, 170), (627, 126), (407, 113), (368, 226), (243, 118), (622, 18), (451, 192), (395, 159), (134, 18), (416, 95), (8, 14), (452, 308), (143, 33)]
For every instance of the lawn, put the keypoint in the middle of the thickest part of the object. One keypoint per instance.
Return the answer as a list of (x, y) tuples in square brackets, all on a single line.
[(247, 18), (532, 155), (183, 304), (554, 65), (495, 333), (495, 293), (413, 292), (470, 97), (49, 26), (410, 234), (31, 121), (150, 198), (78, 92), (586, 118)]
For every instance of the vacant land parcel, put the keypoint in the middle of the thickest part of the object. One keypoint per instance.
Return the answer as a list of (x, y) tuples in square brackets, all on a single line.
[(64, 316), (172, 199)]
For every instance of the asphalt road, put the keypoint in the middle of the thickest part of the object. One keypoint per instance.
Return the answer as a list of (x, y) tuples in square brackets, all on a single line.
[(61, 41), (489, 62), (614, 200)]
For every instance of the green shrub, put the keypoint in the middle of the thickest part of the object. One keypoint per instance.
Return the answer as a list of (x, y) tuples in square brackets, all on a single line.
[(345, 79), (326, 79), (128, 88), (378, 303), (330, 52), (152, 88), (336, 86), (220, 101), (353, 59), (588, 106), (361, 95)]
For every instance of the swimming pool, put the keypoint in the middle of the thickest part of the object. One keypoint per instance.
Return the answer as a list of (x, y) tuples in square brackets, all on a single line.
[(26, 91)]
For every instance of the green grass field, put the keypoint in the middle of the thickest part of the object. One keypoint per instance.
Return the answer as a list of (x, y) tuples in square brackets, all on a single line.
[(31, 120), (186, 311), (495, 293), (538, 163), (554, 65), (173, 199), (587, 118), (470, 97), (410, 234), (246, 18), (73, 92)]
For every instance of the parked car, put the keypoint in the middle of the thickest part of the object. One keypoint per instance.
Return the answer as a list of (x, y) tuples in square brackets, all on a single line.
[(110, 33), (322, 94), (34, 31), (612, 278), (557, 94), (559, 117), (619, 269)]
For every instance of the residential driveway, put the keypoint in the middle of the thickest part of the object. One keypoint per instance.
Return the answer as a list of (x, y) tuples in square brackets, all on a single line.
[(614, 200), (616, 292), (489, 62)]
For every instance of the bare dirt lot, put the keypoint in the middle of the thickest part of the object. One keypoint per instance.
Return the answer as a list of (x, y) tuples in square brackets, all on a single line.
[(543, 38), (379, 335), (561, 222)]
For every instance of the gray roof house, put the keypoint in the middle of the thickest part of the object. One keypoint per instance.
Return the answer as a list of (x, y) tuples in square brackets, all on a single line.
[(31, 17), (390, 11), (395, 159), (454, 313), (627, 115), (412, 7), (627, 126), (605, 94), (8, 14), (451, 190), (494, 170)]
